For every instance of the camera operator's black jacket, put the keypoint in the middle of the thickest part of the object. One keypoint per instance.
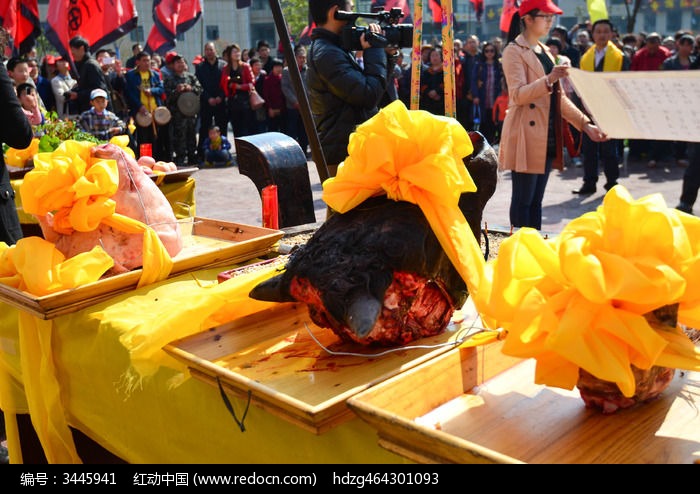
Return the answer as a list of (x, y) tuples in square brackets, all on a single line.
[(341, 94)]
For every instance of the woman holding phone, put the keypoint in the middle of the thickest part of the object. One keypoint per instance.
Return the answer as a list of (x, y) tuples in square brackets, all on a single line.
[(531, 144)]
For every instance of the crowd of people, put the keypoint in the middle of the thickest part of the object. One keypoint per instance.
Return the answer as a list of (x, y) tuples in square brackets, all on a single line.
[(182, 109), (174, 106)]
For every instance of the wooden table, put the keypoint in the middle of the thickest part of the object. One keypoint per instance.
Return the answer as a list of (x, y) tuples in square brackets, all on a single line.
[(165, 417)]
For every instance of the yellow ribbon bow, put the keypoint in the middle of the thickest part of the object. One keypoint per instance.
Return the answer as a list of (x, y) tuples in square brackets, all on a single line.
[(413, 156), (578, 300)]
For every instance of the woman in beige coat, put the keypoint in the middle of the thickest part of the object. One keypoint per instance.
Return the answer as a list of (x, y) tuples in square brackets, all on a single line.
[(530, 146)]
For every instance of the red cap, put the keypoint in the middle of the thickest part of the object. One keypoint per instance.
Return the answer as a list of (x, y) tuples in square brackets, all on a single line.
[(544, 6), (50, 60), (170, 56), (197, 59)]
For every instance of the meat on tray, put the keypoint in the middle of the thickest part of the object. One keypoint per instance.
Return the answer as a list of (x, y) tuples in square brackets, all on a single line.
[(137, 197), (377, 274)]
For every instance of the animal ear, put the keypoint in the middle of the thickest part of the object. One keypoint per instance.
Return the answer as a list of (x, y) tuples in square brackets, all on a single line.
[(362, 314), (271, 290)]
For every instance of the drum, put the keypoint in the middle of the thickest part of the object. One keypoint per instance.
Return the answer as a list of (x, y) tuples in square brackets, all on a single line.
[(188, 104), (162, 115), (144, 119)]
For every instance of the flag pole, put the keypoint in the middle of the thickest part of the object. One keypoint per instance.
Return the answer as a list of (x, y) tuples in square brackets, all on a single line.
[(304, 107)]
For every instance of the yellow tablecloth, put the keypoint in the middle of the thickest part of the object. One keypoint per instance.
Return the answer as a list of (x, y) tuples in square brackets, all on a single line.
[(180, 195), (155, 422)]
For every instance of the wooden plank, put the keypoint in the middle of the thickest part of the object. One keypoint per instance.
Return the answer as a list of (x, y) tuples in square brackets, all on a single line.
[(463, 407), (301, 372)]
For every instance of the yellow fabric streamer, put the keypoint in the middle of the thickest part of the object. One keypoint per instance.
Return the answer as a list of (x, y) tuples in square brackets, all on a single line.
[(77, 188), (157, 263), (417, 157), (203, 307), (38, 267), (19, 157), (578, 300)]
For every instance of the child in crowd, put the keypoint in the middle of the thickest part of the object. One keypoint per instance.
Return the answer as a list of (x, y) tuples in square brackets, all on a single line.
[(98, 120), (500, 105), (217, 149), (28, 98)]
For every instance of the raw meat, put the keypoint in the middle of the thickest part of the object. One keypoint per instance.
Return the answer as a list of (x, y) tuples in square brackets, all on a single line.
[(377, 274), (137, 197)]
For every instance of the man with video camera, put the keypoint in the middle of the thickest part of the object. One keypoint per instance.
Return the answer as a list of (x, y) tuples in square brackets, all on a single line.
[(342, 95)]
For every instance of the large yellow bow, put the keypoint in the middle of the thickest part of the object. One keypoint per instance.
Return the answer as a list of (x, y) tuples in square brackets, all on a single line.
[(417, 157), (578, 300)]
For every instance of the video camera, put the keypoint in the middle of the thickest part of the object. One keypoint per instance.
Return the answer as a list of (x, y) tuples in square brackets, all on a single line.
[(395, 34)]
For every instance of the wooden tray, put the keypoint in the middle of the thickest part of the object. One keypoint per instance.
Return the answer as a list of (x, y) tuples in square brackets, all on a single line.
[(176, 176), (17, 173), (480, 406), (211, 243), (272, 355)]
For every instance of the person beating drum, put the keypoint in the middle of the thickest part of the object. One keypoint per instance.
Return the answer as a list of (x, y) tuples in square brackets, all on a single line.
[(180, 85), (144, 95)]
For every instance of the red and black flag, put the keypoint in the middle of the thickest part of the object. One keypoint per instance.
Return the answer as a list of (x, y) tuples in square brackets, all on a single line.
[(510, 7), (436, 9), (171, 18), (20, 18), (99, 21)]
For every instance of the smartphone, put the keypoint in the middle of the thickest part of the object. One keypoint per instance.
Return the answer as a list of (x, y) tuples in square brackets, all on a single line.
[(108, 60)]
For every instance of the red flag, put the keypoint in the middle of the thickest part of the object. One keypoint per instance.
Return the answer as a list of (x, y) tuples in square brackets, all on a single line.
[(98, 21), (509, 8), (379, 5), (478, 8), (305, 35), (171, 17), (436, 10), (21, 20)]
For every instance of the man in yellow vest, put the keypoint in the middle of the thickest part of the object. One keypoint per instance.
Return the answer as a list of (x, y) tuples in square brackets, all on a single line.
[(603, 56)]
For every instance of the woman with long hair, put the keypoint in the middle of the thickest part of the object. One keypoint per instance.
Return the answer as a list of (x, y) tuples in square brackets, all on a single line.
[(432, 84), (531, 143), (485, 88), (237, 80)]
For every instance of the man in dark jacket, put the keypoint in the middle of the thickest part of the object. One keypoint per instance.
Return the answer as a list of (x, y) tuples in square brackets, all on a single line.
[(16, 132), (341, 93), (144, 94), (212, 104), (90, 75)]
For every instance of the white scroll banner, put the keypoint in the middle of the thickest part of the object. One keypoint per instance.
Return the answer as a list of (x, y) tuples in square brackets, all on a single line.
[(657, 105)]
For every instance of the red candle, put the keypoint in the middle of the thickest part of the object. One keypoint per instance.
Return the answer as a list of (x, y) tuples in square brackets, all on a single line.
[(146, 150), (270, 207)]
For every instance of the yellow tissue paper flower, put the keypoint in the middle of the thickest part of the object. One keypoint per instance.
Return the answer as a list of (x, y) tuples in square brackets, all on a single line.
[(72, 185), (578, 300)]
